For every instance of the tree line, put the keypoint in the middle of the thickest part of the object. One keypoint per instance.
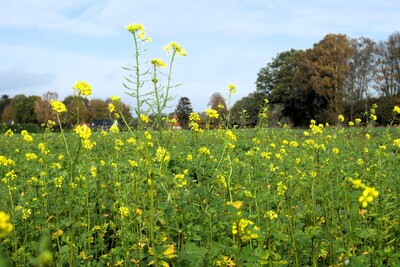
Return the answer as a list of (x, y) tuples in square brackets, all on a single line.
[(22, 109), (338, 75)]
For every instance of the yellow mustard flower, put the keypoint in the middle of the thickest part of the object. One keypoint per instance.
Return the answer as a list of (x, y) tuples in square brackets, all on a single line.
[(335, 150), (6, 226), (396, 142), (174, 48), (245, 229), (114, 129), (281, 188), (115, 99), (83, 88), (232, 89), (58, 106), (368, 196), (157, 62), (212, 113), (225, 261), (123, 211), (144, 118), (271, 215), (341, 118), (26, 136), (204, 150), (31, 156), (83, 131), (396, 110), (6, 161), (162, 155), (229, 135), (135, 27)]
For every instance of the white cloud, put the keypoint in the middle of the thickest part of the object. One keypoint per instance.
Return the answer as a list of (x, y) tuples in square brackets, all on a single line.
[(18, 78)]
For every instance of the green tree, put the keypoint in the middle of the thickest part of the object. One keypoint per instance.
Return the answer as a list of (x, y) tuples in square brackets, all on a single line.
[(183, 110), (245, 111), (323, 70), (98, 108), (275, 81), (70, 118), (24, 110), (4, 102)]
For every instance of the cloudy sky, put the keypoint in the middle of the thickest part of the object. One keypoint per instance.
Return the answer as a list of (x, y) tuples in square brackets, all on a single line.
[(47, 45)]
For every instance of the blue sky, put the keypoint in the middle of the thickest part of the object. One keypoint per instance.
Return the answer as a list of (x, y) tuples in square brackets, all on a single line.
[(47, 45)]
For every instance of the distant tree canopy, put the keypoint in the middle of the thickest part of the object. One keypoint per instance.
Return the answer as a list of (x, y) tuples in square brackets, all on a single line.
[(336, 76), (34, 109), (245, 111)]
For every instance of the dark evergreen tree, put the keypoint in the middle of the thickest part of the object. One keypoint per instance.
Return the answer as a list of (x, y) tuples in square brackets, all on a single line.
[(183, 110)]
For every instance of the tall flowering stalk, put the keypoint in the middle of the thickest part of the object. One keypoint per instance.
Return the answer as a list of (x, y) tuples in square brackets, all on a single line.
[(157, 100), (139, 38), (231, 91), (81, 88)]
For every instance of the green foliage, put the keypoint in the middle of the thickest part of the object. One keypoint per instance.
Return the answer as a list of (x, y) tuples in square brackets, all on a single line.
[(128, 201), (245, 111), (18, 127)]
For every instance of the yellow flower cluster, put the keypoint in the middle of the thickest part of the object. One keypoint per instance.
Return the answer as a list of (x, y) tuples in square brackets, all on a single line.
[(83, 131), (9, 133), (83, 88), (204, 150), (6, 226), (26, 136), (316, 129), (179, 179), (58, 181), (144, 118), (396, 110), (368, 194), (271, 215), (396, 142), (212, 113), (245, 229), (174, 48), (335, 150), (115, 99), (138, 30), (229, 135), (58, 106), (30, 156), (341, 118), (26, 213), (111, 107), (232, 89), (281, 188), (123, 211), (162, 155), (157, 62), (237, 204), (194, 118), (5, 161), (225, 261)]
